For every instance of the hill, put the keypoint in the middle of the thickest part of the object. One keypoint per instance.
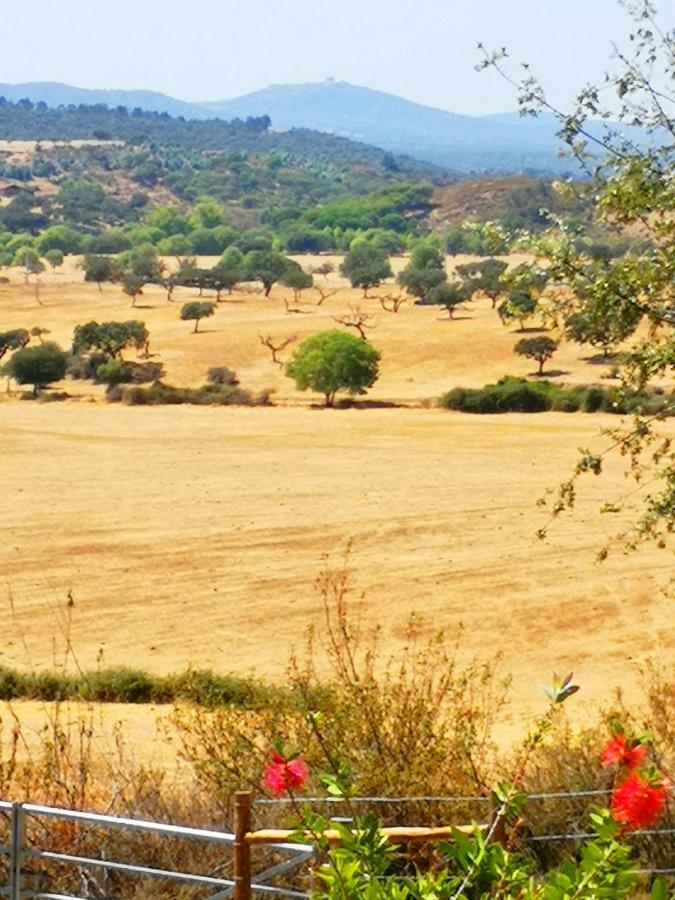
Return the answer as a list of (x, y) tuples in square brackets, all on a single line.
[(504, 143), (474, 144)]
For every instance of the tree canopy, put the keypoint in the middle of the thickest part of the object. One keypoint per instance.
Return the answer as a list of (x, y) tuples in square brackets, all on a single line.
[(333, 361), (39, 366)]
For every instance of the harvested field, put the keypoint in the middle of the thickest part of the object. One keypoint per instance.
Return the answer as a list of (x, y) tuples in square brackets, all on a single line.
[(192, 536)]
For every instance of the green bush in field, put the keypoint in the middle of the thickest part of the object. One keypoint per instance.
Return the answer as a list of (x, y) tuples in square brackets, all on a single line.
[(511, 394)]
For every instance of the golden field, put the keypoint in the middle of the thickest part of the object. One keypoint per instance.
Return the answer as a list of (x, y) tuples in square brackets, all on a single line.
[(191, 536)]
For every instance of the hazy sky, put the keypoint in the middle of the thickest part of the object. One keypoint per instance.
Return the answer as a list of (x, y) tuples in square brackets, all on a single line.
[(423, 50)]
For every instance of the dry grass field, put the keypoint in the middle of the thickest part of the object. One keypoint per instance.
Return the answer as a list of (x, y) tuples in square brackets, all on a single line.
[(192, 536)]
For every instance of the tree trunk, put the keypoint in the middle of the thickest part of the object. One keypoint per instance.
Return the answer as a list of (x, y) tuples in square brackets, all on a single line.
[(196, 326), (100, 287), (541, 366), (268, 287)]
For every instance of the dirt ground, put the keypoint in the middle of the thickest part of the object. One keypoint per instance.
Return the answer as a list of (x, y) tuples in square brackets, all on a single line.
[(193, 536)]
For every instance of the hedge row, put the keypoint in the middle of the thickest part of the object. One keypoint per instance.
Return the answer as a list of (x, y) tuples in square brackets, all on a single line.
[(124, 685), (511, 394)]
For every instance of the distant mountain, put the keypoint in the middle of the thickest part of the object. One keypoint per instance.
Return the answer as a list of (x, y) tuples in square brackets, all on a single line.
[(503, 143), (53, 93)]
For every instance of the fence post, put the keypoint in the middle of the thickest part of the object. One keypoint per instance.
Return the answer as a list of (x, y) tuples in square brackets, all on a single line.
[(17, 842), (242, 849)]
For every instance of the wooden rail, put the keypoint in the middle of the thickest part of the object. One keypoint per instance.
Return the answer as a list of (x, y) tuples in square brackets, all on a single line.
[(245, 839)]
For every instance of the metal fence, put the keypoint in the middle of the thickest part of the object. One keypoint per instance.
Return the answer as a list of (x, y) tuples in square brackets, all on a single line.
[(244, 883)]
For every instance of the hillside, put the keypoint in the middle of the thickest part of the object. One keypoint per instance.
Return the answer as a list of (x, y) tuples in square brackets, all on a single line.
[(504, 143)]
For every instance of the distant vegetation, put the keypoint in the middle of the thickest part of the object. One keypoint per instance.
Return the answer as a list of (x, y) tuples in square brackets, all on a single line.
[(511, 394)]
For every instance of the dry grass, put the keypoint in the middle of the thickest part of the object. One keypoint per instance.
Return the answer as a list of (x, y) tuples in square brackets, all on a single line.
[(193, 536)]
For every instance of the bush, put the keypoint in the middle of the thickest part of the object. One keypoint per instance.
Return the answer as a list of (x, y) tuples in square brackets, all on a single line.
[(519, 395), (39, 366), (118, 686), (160, 394), (222, 375)]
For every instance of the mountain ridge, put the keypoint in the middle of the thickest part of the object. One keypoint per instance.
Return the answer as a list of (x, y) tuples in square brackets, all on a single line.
[(499, 143)]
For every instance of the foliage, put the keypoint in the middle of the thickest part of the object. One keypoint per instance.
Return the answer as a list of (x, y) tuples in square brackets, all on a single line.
[(297, 279), (632, 180), (196, 312), (449, 294), (266, 266), (519, 395), (160, 394), (332, 361), (39, 366), (16, 339), (110, 337), (365, 265), (539, 348), (425, 270), (484, 276), (518, 304), (222, 375), (100, 268)]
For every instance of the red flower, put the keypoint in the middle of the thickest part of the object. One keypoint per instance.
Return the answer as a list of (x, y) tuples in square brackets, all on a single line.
[(282, 775), (637, 803), (618, 751)]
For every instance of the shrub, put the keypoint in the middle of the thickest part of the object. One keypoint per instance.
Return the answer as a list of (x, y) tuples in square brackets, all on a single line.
[(39, 366), (519, 395), (208, 395), (221, 375), (117, 686)]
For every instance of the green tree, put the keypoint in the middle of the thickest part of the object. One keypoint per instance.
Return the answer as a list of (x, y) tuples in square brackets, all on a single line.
[(485, 276), (333, 361), (132, 285), (59, 237), (450, 295), (54, 257), (518, 304), (297, 279), (39, 366), (539, 348), (169, 220), (632, 181), (207, 213), (39, 333), (195, 312), (266, 266), (425, 270), (221, 278), (143, 261), (365, 266), (110, 337), (100, 268), (13, 340), (113, 372), (81, 201), (595, 325)]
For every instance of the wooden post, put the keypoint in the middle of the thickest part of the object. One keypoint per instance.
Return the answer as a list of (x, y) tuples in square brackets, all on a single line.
[(18, 839), (242, 849)]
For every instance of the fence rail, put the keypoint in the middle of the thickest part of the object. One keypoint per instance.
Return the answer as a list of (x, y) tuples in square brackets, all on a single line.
[(241, 886), (244, 883)]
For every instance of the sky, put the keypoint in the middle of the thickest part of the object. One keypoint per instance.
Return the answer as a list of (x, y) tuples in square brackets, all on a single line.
[(423, 50)]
